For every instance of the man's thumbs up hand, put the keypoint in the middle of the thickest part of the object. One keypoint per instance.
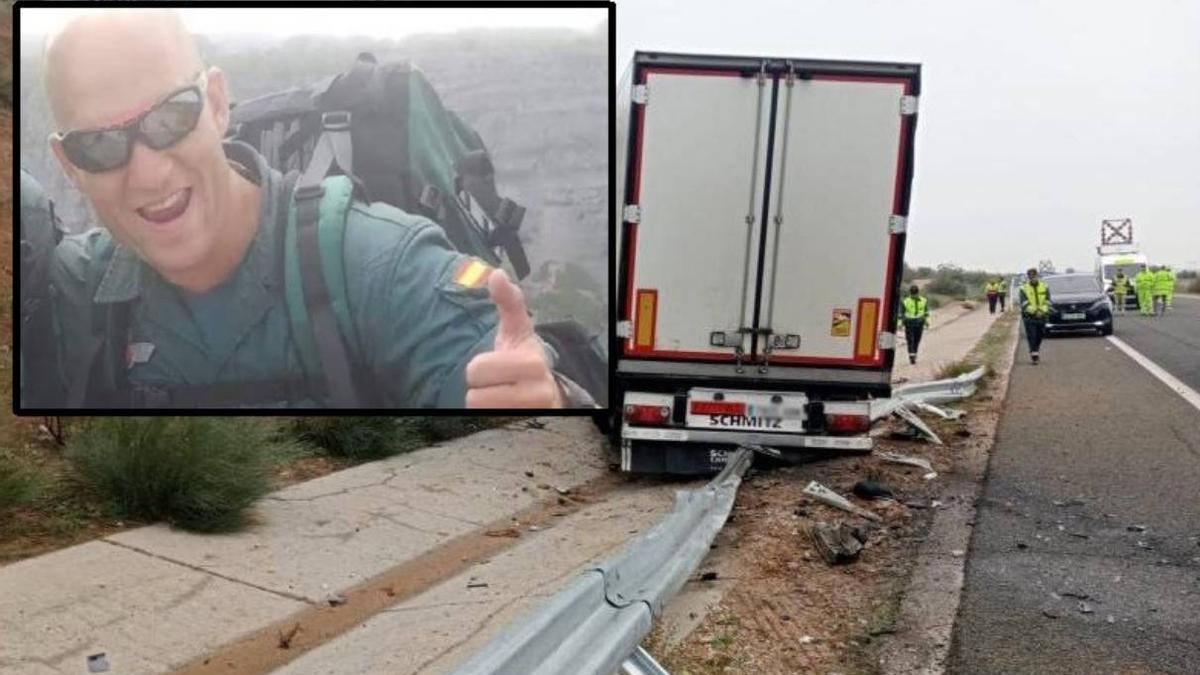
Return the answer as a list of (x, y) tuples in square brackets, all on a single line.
[(515, 374)]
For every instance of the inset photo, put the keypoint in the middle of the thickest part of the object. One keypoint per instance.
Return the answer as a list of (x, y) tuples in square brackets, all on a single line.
[(330, 208)]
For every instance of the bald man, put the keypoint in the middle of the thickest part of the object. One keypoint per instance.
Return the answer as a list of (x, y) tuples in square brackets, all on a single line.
[(178, 301)]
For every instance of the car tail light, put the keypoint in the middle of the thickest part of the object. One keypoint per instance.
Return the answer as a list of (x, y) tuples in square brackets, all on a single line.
[(647, 414), (847, 424)]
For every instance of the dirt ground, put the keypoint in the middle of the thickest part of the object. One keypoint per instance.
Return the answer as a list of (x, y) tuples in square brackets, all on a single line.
[(784, 609)]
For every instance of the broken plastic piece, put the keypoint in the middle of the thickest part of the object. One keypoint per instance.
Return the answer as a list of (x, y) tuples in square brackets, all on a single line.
[(944, 413), (919, 462), (97, 663), (824, 494)]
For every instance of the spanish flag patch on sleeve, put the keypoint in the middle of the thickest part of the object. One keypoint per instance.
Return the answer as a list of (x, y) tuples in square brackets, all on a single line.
[(472, 273)]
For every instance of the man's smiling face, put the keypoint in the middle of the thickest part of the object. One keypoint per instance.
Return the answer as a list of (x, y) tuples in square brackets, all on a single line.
[(169, 205)]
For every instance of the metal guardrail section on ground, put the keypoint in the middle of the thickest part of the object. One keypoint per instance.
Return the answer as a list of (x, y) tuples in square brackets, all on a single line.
[(937, 391), (594, 624)]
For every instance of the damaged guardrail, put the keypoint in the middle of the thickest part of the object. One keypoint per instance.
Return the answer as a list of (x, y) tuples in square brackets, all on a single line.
[(595, 624), (927, 393)]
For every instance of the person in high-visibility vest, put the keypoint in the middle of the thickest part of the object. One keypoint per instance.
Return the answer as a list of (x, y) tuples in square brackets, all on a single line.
[(1035, 307), (993, 294), (1120, 290), (914, 316), (1002, 292), (1164, 285), (1144, 286)]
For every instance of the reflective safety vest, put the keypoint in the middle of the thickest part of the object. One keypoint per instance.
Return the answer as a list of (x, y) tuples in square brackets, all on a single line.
[(1164, 282), (993, 288), (1144, 281), (915, 308), (1037, 299), (1120, 284)]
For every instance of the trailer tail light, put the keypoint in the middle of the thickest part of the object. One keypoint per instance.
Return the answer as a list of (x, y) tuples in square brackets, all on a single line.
[(842, 424), (647, 414)]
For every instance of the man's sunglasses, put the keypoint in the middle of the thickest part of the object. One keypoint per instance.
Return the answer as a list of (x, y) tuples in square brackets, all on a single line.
[(160, 127)]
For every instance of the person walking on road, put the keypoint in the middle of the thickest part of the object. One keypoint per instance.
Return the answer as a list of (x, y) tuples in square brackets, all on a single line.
[(1144, 286), (993, 294), (1035, 307), (915, 318), (1002, 293), (1120, 290)]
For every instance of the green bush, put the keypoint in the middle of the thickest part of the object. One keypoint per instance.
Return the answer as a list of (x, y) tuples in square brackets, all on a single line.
[(946, 285), (198, 473), (368, 438), (19, 484)]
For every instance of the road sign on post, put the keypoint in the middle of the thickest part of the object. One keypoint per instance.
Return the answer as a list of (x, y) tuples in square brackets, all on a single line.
[(1116, 231)]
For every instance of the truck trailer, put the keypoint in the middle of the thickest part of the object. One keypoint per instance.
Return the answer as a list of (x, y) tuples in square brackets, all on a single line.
[(761, 206)]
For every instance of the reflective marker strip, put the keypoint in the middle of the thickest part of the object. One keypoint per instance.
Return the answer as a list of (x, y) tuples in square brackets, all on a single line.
[(1156, 370), (868, 315), (647, 312)]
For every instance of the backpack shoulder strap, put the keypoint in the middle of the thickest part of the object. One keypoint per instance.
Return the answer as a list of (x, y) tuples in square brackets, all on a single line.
[(315, 286)]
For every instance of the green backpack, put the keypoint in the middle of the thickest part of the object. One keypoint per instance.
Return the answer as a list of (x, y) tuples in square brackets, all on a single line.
[(380, 133)]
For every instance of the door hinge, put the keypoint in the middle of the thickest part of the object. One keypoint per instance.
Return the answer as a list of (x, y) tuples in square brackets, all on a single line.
[(625, 329), (887, 340), (897, 224), (908, 105), (640, 94), (632, 213)]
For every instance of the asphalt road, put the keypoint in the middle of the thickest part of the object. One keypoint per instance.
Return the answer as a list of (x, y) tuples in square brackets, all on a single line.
[(1091, 448), (1172, 341)]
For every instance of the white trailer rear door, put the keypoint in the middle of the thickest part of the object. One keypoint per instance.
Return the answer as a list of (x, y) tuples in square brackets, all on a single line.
[(836, 185), (699, 186)]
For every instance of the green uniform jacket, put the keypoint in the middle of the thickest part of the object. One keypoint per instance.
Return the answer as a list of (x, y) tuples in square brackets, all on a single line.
[(415, 329)]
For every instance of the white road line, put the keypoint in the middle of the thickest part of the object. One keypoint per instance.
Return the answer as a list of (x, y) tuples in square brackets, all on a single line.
[(1168, 379)]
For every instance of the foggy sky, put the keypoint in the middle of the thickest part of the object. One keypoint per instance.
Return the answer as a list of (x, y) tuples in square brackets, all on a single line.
[(1037, 119)]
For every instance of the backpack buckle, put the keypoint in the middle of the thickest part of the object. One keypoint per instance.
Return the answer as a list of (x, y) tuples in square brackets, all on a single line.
[(337, 120)]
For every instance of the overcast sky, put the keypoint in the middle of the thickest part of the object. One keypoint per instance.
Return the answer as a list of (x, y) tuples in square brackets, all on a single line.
[(1037, 119), (392, 22)]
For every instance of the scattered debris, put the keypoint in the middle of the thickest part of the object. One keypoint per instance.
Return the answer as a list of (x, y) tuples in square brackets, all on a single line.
[(911, 417), (871, 490), (944, 413), (477, 584), (708, 576), (824, 494), (837, 543), (1052, 612), (1075, 594), (285, 638), (1074, 501), (934, 504), (535, 528), (335, 600), (1142, 544), (919, 462), (534, 424), (1136, 528), (505, 532), (1022, 545), (563, 491), (1085, 608), (1079, 535), (958, 553), (1110, 618), (97, 663), (807, 639), (905, 434), (963, 433), (529, 474)]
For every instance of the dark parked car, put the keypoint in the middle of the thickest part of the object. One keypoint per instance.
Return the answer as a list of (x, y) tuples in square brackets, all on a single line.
[(1078, 302)]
